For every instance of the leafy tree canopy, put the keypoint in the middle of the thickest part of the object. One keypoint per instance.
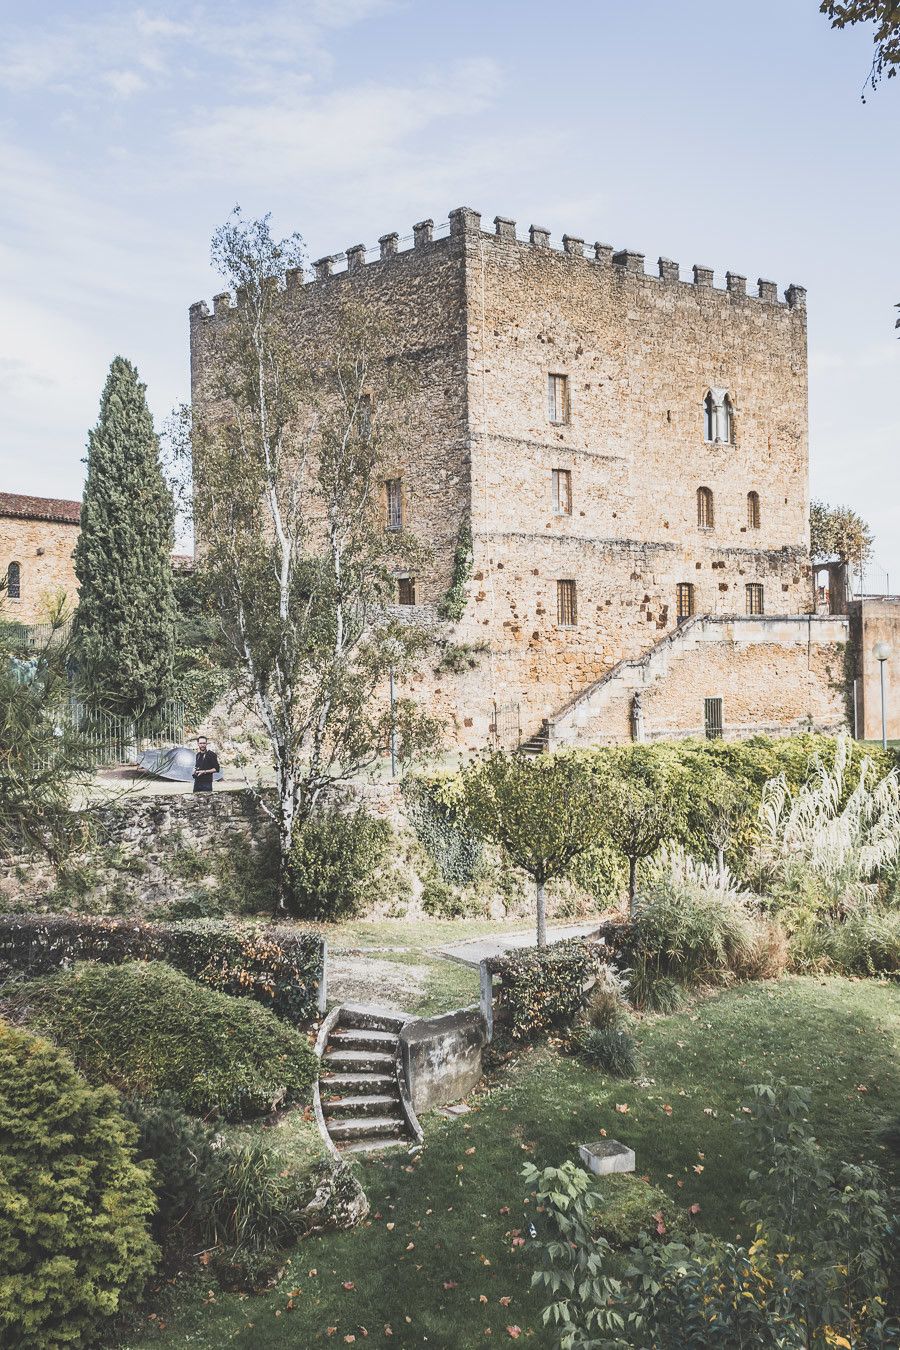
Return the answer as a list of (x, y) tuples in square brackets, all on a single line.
[(839, 534), (885, 16)]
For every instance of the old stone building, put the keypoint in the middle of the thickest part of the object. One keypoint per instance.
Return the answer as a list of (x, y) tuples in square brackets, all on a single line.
[(37, 539), (627, 453)]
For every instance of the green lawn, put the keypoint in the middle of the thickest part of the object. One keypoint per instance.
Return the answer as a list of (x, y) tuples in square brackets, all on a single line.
[(440, 1236)]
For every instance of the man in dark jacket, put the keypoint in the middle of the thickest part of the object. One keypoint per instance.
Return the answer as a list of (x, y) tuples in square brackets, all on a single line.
[(205, 767)]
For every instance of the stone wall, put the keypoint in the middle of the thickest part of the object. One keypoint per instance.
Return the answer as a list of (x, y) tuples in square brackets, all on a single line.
[(43, 549), (873, 621), (442, 1056), (480, 319)]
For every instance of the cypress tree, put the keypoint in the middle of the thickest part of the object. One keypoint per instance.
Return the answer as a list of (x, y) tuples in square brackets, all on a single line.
[(125, 622)]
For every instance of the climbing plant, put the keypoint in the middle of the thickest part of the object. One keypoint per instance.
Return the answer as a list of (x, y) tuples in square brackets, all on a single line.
[(452, 606)]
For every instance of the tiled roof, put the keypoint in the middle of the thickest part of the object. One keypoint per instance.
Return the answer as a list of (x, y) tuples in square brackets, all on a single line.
[(39, 508)]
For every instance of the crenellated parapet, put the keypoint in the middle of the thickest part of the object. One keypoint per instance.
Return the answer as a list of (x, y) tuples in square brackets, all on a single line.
[(463, 227)]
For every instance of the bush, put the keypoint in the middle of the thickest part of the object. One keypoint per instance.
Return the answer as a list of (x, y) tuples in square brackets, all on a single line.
[(630, 1207), (148, 1029), (610, 1049), (74, 1204), (435, 809), (692, 925), (543, 988), (182, 1150), (866, 943), (606, 1003), (334, 855), (278, 966)]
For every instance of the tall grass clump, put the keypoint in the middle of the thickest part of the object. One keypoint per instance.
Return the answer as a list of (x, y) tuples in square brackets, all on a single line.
[(693, 925)]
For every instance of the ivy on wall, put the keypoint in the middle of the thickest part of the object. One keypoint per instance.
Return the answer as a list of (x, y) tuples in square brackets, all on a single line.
[(452, 606)]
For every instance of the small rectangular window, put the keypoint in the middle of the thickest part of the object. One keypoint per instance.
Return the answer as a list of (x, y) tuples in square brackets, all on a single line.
[(562, 492), (566, 604), (755, 604), (685, 600), (712, 718), (558, 398), (394, 495), (705, 512), (14, 582), (406, 591), (753, 510)]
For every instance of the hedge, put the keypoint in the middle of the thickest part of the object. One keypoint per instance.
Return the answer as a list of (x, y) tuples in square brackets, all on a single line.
[(545, 988), (147, 1029), (280, 967)]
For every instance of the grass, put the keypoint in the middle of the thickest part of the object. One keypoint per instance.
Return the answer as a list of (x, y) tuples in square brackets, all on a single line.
[(440, 1238)]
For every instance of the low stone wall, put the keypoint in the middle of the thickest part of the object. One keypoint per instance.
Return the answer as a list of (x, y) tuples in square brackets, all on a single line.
[(442, 1056)]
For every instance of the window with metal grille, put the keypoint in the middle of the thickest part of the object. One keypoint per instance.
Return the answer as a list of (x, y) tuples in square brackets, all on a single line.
[(14, 581), (753, 510), (684, 595), (562, 492), (394, 496), (566, 604), (712, 718), (755, 603), (558, 398), (406, 591), (705, 513)]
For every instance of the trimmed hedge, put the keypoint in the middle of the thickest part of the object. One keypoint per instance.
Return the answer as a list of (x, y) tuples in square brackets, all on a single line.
[(147, 1029), (74, 1204), (280, 967), (544, 988)]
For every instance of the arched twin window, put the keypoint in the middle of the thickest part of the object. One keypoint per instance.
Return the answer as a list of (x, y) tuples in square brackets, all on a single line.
[(718, 417), (705, 513), (14, 581)]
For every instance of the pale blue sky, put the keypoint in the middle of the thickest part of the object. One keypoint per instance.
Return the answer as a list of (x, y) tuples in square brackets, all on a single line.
[(711, 132)]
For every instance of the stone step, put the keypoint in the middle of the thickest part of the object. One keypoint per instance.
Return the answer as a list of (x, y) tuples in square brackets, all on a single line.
[(363, 1083), (366, 1126), (359, 1061), (375, 1019), (371, 1145), (363, 1038), (360, 1106)]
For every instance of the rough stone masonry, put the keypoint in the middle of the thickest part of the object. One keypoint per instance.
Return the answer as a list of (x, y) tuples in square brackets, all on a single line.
[(629, 452)]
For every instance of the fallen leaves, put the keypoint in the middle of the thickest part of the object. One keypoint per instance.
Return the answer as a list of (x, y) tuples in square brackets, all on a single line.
[(622, 1108), (514, 1332)]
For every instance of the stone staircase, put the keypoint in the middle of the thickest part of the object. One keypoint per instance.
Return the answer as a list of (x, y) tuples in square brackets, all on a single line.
[(361, 1101), (539, 743)]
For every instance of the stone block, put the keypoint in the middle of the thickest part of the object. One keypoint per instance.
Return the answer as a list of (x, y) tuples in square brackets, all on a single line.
[(607, 1155), (442, 1056)]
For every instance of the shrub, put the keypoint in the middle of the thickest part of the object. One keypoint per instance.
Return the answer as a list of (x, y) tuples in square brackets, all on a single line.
[(328, 874), (610, 1049), (443, 902), (278, 966), (629, 1207), (866, 943), (435, 809), (606, 1002), (74, 1204), (182, 1150), (544, 988), (692, 925), (148, 1029)]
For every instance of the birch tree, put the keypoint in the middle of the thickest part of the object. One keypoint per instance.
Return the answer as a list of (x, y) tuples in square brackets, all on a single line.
[(288, 444)]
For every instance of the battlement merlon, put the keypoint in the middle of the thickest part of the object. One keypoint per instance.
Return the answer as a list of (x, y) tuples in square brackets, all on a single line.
[(465, 227)]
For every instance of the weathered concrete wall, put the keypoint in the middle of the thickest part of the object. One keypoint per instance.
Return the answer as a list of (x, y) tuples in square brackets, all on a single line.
[(43, 549), (442, 1056), (871, 622)]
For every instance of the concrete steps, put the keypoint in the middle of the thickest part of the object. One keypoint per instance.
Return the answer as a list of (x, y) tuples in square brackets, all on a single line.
[(360, 1102)]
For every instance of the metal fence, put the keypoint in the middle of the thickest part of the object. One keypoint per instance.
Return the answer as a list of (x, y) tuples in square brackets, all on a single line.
[(114, 739)]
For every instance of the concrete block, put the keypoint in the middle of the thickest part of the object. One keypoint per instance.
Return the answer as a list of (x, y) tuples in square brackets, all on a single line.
[(442, 1056), (607, 1155)]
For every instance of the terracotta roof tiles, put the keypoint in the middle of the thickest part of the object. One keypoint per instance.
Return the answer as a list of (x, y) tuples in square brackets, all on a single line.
[(39, 508)]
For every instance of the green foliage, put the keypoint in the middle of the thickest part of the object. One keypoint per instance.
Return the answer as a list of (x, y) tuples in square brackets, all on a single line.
[(437, 814), (613, 1050), (816, 1275), (630, 1208), (886, 18), (691, 925), (453, 604), (201, 674), (183, 1152), (836, 532), (867, 942), (601, 872), (543, 989), (458, 657), (125, 622), (334, 856), (279, 967), (148, 1029), (443, 902), (41, 755), (74, 1204), (643, 802)]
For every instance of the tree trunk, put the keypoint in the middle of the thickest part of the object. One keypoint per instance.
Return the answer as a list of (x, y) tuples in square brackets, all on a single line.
[(541, 914), (287, 809), (720, 858), (632, 884)]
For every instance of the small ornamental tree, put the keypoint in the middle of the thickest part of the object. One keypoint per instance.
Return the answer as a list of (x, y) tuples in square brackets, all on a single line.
[(543, 812), (641, 807), (125, 622), (74, 1204), (837, 533)]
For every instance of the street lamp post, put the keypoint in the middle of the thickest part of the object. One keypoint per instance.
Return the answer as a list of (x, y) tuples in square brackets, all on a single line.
[(882, 653)]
